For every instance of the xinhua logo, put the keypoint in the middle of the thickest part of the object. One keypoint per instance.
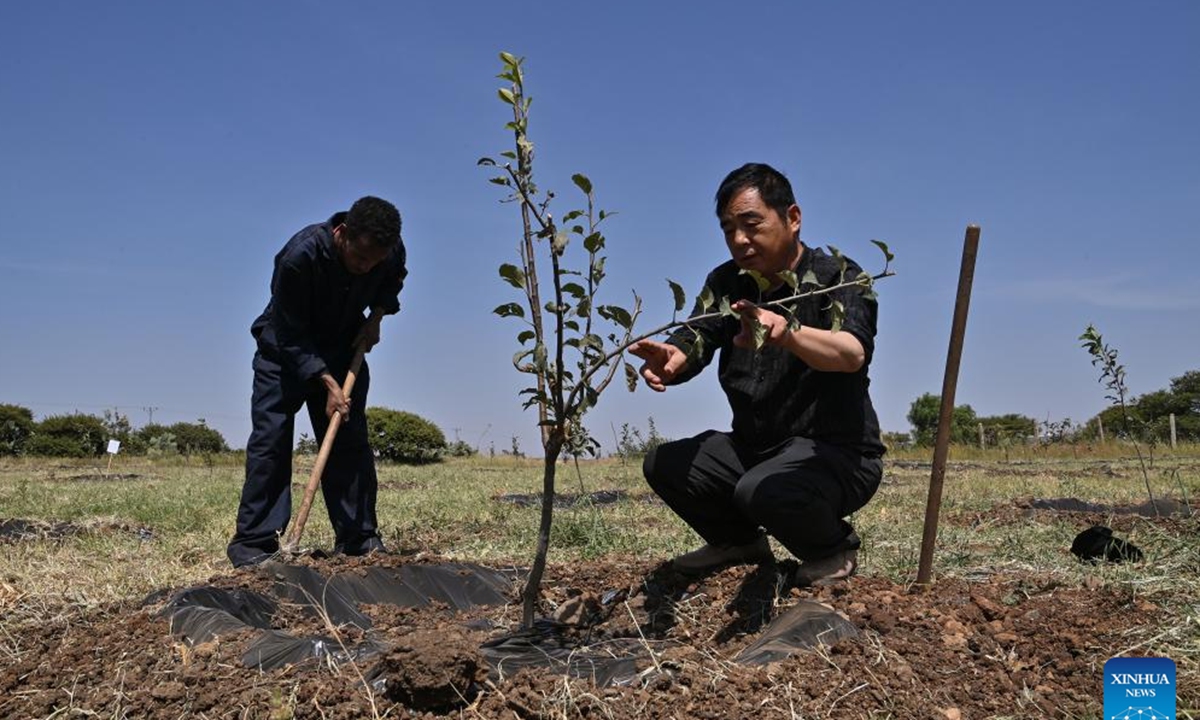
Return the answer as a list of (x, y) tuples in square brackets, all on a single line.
[(1139, 688)]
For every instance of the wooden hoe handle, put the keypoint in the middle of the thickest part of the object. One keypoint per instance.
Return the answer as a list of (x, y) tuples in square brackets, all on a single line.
[(292, 543)]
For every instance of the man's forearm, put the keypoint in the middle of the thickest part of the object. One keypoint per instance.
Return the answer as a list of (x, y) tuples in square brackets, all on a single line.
[(826, 350)]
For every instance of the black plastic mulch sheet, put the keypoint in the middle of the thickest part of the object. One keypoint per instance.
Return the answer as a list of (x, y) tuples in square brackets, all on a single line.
[(1161, 506), (200, 614), (547, 645), (804, 626)]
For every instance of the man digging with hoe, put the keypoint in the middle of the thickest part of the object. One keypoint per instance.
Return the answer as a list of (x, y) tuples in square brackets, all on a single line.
[(804, 451), (308, 338)]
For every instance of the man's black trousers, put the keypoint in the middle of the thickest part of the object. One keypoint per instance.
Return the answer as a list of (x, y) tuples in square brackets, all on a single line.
[(349, 483), (799, 491)]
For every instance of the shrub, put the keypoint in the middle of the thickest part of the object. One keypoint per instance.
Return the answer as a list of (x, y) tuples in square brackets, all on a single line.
[(459, 448), (403, 436), (197, 438), (632, 444), (119, 428), (74, 435), (16, 426), (307, 445), (156, 439)]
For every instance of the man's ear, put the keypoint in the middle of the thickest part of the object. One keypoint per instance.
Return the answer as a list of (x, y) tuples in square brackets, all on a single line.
[(793, 219)]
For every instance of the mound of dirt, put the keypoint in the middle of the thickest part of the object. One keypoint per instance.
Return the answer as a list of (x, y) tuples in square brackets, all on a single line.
[(433, 669)]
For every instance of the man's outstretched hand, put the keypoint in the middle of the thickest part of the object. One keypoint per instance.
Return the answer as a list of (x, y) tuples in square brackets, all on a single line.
[(662, 364)]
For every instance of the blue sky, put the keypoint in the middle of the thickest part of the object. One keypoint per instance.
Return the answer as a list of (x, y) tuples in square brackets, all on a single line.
[(155, 156)]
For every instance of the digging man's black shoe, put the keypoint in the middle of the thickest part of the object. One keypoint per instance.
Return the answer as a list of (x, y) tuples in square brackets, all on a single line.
[(366, 547)]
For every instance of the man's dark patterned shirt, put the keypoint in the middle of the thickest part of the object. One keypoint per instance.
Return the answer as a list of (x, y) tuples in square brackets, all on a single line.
[(775, 395)]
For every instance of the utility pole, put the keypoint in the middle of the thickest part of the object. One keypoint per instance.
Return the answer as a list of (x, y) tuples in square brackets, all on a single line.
[(150, 412)]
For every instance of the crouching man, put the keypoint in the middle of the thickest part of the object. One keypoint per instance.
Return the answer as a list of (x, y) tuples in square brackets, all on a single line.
[(804, 451)]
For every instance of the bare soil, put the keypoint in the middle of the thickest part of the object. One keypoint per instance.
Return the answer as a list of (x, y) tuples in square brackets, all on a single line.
[(1015, 646)]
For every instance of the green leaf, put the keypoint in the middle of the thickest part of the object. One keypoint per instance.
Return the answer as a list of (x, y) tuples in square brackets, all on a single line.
[(617, 314), (499, 180), (581, 181), (574, 289), (508, 309), (706, 298), (762, 283), (789, 277), (598, 270), (837, 312), (680, 295), (583, 309), (525, 336), (594, 242), (513, 275), (833, 250), (760, 334), (506, 95), (594, 341), (726, 309), (887, 254), (558, 244), (810, 278), (552, 307), (539, 357), (486, 161), (571, 215), (631, 377), (518, 357), (571, 325), (509, 154)]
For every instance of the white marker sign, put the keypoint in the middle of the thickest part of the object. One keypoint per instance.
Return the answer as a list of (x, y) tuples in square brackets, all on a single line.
[(113, 446)]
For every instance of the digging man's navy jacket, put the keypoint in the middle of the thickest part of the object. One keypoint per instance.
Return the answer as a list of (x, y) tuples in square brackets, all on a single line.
[(316, 306)]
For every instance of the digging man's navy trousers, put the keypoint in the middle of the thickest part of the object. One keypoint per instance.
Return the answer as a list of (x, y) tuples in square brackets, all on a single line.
[(349, 484)]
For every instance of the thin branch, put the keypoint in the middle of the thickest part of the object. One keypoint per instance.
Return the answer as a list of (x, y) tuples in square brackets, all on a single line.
[(709, 316)]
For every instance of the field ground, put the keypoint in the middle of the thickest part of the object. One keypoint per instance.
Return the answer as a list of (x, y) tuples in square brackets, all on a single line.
[(1013, 627)]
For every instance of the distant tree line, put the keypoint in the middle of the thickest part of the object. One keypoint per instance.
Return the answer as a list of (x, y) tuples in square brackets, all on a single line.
[(80, 435), (395, 435), (1149, 420)]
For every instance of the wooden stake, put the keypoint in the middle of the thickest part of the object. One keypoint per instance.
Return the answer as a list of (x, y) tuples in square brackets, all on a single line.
[(966, 276)]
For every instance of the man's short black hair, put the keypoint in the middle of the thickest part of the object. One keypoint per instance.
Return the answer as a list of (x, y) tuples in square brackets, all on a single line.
[(772, 187), (375, 218)]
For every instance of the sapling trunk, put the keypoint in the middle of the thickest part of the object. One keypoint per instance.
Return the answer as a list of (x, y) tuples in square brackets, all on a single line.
[(533, 583)]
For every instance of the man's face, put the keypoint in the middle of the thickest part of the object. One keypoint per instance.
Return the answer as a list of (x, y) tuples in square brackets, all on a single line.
[(758, 238), (360, 255)]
